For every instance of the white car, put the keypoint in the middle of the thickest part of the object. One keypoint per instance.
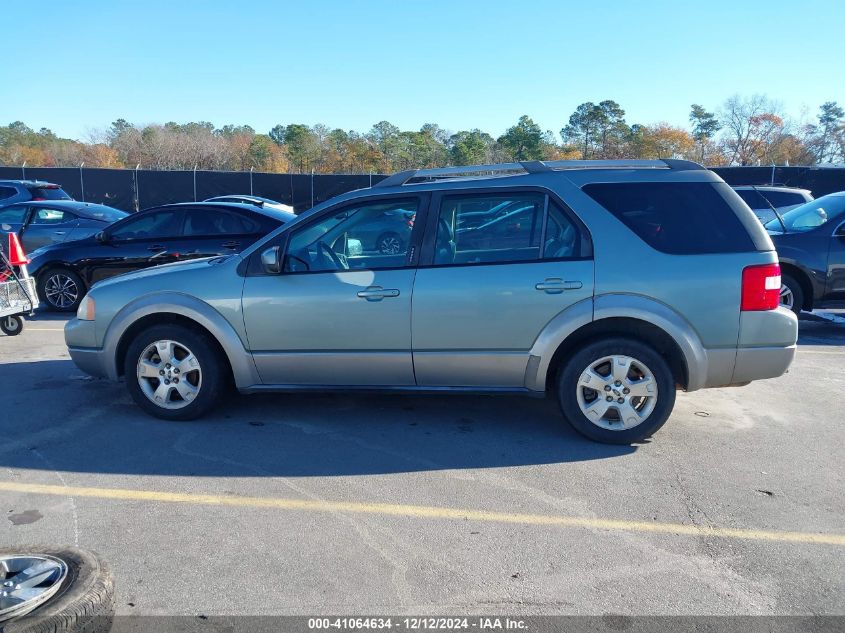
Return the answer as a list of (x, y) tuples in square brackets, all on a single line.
[(254, 200), (764, 199)]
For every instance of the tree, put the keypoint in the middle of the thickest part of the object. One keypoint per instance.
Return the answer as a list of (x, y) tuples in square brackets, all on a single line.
[(741, 119), (472, 147), (664, 141), (827, 139), (704, 128), (302, 145), (523, 141), (583, 128)]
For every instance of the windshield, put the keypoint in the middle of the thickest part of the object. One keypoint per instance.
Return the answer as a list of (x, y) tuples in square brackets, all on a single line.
[(809, 216)]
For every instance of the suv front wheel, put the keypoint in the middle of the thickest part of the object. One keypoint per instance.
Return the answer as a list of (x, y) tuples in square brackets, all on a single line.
[(174, 372), (616, 391)]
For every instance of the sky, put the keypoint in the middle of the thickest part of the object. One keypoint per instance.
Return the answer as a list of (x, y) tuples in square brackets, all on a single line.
[(459, 63)]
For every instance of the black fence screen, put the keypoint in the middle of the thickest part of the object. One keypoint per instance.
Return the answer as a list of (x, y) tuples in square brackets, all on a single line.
[(131, 190)]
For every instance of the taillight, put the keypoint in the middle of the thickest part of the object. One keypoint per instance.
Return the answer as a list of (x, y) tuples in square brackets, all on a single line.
[(760, 287)]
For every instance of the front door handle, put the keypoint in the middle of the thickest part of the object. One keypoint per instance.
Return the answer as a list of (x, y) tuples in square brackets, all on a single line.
[(556, 285), (231, 244), (377, 293), (156, 248), (59, 232)]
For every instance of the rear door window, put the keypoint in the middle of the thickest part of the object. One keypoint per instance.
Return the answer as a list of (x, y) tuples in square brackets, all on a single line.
[(45, 216), (678, 218), (7, 192)]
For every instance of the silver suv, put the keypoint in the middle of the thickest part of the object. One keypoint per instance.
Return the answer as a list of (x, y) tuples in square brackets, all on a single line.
[(609, 284)]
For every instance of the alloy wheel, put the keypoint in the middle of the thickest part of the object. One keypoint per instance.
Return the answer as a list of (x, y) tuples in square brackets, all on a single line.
[(617, 392), (61, 290), (169, 374), (28, 581), (390, 245), (787, 298)]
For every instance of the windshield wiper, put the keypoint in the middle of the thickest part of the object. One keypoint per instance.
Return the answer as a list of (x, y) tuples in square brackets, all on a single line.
[(772, 207)]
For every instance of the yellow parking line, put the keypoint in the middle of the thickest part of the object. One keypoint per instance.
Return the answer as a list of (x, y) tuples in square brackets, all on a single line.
[(424, 512)]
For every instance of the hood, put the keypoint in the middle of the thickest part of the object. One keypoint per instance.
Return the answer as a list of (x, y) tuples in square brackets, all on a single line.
[(164, 269)]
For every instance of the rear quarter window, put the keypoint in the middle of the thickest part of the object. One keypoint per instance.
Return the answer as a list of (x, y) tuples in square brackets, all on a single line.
[(679, 218), (49, 193)]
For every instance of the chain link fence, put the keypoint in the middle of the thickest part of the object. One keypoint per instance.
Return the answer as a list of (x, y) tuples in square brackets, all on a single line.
[(134, 189)]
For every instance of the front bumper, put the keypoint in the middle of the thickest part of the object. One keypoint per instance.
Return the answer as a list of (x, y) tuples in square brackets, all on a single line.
[(81, 342)]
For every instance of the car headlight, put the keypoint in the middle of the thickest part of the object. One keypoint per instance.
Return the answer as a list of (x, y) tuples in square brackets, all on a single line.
[(86, 309)]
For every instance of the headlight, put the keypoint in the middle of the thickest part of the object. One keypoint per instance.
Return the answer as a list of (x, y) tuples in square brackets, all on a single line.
[(87, 309)]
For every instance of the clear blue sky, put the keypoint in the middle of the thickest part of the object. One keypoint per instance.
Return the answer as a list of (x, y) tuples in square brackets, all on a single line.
[(458, 63)]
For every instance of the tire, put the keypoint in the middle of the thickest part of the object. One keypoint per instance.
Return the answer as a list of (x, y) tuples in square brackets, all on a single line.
[(11, 325), (61, 289), (84, 601), (389, 243), (202, 381), (642, 361), (790, 288)]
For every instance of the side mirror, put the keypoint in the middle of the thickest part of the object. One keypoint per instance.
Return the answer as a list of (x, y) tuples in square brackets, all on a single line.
[(354, 248), (102, 236), (270, 260)]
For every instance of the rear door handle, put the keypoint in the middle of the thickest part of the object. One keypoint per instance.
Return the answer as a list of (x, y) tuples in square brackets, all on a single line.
[(157, 248), (556, 285), (59, 232), (377, 293), (231, 244)]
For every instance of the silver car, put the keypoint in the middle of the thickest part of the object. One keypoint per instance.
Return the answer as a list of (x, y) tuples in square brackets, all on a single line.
[(624, 281)]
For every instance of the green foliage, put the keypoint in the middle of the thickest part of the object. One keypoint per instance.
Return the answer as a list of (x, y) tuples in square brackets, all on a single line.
[(745, 131), (523, 141)]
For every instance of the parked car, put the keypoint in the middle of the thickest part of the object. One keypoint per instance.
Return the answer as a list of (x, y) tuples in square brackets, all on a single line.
[(648, 276), (810, 242), (160, 235), (14, 191), (41, 223), (254, 200), (764, 200)]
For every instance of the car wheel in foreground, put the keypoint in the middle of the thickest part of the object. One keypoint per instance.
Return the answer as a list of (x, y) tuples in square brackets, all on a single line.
[(616, 391), (389, 244), (11, 325), (791, 294), (174, 372), (54, 589), (61, 289)]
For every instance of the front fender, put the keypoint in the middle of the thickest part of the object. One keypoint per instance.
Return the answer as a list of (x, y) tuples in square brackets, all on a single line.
[(206, 316)]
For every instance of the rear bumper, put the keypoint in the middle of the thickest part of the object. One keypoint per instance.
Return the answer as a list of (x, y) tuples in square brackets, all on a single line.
[(758, 363)]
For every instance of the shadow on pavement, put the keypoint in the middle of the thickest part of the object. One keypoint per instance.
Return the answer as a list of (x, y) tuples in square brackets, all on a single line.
[(58, 419), (821, 328)]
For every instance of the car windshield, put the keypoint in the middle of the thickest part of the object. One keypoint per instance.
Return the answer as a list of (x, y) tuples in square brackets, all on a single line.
[(810, 215)]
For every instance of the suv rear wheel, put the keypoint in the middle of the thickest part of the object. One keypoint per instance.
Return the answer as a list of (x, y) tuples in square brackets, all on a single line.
[(616, 391), (174, 372)]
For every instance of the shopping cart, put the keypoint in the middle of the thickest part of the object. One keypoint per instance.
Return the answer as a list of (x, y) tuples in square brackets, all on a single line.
[(17, 289)]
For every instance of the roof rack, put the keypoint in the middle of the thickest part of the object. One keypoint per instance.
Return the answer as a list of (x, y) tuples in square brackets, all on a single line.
[(530, 167)]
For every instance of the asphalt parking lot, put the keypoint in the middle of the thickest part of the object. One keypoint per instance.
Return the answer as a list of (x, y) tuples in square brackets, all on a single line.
[(307, 504)]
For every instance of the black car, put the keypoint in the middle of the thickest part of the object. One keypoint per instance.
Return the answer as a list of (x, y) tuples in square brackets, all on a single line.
[(160, 235), (41, 223), (12, 191), (810, 241)]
